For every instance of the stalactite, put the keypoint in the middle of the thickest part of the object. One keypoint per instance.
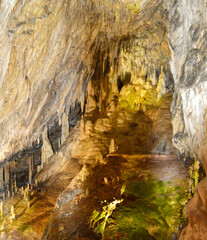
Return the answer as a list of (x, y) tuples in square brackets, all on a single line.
[(91, 101), (59, 142), (4, 196), (82, 127), (2, 209), (7, 174), (30, 169), (47, 150), (1, 178), (60, 120), (38, 140), (15, 183), (161, 88), (65, 127), (153, 78), (12, 184), (82, 102)]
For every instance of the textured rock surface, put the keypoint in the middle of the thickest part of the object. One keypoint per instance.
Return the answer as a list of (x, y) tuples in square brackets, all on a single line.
[(187, 38), (197, 214), (47, 58), (66, 58), (187, 35)]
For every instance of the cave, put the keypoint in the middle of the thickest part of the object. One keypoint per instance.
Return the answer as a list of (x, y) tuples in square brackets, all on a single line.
[(103, 120)]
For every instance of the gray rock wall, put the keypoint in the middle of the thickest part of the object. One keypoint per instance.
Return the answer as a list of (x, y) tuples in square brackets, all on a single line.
[(188, 43)]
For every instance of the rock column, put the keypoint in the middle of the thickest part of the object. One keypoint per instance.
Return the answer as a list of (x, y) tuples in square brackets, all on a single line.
[(7, 174)]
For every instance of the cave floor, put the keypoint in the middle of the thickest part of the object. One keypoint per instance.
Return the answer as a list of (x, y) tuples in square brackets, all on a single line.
[(29, 222), (105, 184)]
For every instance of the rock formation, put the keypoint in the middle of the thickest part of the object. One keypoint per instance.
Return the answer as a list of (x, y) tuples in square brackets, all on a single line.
[(187, 35), (79, 78), (47, 150), (65, 127)]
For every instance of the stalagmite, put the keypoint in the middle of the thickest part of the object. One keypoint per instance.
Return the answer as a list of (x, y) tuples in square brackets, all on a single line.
[(47, 150), (12, 185), (1, 178), (143, 108), (38, 168), (138, 107), (4, 197), (65, 127), (26, 195), (9, 194), (22, 190), (153, 78), (112, 148), (2, 208), (12, 217), (36, 183)]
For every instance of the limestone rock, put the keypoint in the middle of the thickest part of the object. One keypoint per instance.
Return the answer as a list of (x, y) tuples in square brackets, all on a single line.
[(47, 150), (65, 127), (186, 35), (197, 215)]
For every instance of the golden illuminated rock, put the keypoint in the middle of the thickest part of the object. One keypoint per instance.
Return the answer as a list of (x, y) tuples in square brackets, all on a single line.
[(47, 150)]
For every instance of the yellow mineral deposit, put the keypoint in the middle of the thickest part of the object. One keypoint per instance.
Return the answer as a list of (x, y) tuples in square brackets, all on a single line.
[(12, 216), (2, 208)]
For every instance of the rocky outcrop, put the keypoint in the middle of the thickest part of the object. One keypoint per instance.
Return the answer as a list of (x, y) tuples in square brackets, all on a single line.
[(187, 39)]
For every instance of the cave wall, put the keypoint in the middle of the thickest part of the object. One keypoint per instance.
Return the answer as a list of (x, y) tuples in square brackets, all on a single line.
[(47, 59), (35, 37), (48, 62), (187, 40)]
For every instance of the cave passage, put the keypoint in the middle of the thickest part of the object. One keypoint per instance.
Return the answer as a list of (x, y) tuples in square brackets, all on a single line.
[(114, 151), (93, 107)]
